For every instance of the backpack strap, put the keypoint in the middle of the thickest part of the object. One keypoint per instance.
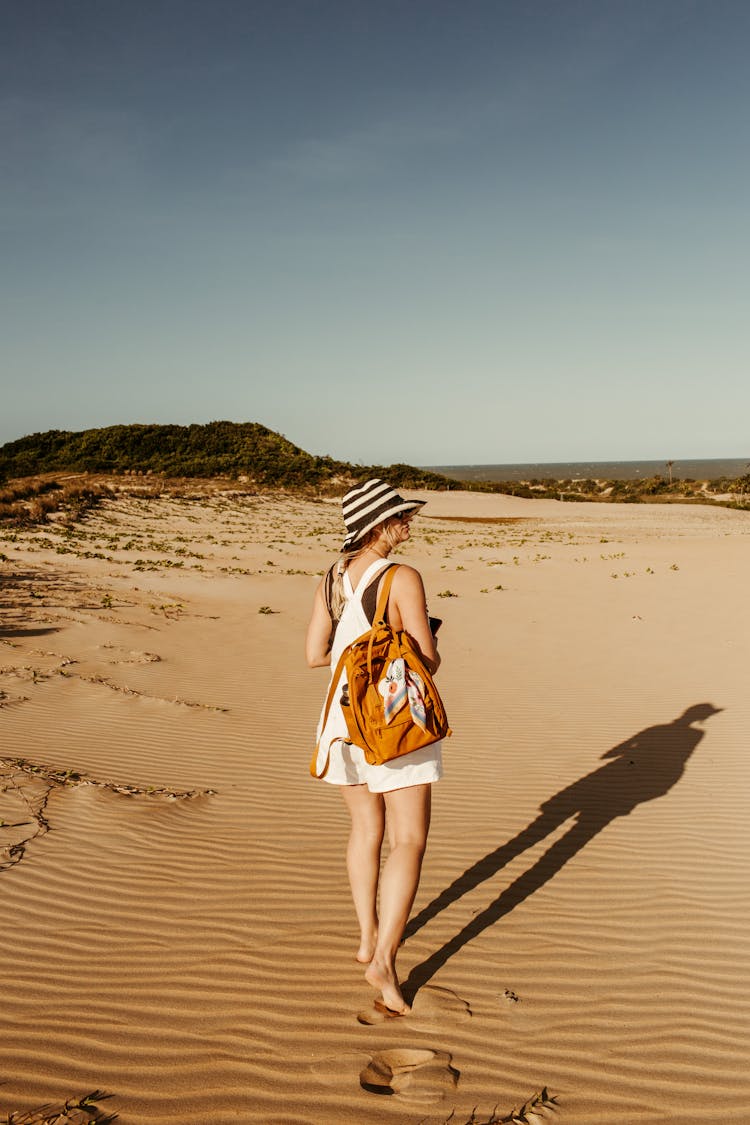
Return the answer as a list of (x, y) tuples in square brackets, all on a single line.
[(385, 589), (380, 612), (328, 590), (329, 700), (328, 597)]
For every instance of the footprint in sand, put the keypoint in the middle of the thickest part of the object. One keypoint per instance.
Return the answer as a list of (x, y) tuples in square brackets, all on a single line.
[(433, 1008), (411, 1074), (130, 656)]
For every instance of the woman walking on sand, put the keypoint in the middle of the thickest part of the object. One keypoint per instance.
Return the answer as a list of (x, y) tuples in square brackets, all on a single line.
[(398, 792)]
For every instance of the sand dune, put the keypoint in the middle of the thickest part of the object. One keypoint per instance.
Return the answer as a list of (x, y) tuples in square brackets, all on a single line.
[(178, 931)]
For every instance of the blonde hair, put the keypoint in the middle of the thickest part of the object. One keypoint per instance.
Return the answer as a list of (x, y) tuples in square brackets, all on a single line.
[(385, 529)]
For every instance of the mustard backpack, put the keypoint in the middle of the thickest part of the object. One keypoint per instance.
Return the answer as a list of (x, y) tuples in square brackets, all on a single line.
[(368, 661)]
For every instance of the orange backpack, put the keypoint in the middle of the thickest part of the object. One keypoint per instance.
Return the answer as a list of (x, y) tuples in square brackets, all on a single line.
[(368, 662)]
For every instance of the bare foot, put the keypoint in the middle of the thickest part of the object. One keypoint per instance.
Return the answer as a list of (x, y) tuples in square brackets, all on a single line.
[(383, 977)]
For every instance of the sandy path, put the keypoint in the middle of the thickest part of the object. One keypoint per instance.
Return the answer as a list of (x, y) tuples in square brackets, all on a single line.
[(178, 927)]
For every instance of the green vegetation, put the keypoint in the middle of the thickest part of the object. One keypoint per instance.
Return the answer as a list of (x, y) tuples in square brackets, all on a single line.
[(183, 460), (218, 449), (652, 490), (34, 501)]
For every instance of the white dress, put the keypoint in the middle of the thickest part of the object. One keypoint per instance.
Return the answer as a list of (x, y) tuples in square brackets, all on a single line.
[(348, 765)]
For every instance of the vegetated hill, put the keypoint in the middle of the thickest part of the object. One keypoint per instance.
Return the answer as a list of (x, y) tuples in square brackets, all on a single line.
[(231, 449)]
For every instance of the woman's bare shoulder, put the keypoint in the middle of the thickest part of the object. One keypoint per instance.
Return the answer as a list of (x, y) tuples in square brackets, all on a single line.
[(407, 578)]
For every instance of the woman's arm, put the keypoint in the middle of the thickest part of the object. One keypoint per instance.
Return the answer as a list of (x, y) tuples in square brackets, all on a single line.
[(407, 610), (317, 652)]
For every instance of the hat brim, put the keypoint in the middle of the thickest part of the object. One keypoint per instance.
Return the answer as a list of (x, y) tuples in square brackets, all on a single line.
[(406, 506)]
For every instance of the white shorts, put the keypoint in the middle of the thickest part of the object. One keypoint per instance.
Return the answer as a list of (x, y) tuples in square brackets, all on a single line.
[(348, 766)]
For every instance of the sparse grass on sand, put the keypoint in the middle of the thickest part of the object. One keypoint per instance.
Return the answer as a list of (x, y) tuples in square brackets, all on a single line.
[(535, 1110), (74, 1111)]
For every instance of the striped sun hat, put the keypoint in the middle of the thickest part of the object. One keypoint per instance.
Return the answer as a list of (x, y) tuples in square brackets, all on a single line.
[(369, 504)]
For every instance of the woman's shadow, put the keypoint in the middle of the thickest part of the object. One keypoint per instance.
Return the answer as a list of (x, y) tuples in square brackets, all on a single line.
[(643, 768)]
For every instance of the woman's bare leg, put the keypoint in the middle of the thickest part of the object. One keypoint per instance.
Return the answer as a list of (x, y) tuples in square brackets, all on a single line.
[(367, 811), (408, 824)]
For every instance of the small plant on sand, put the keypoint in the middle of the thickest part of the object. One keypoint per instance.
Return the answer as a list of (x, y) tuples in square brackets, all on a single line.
[(169, 609), (75, 1111), (267, 609), (447, 594), (531, 1112)]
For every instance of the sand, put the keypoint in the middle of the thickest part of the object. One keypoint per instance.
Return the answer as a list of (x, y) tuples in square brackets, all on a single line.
[(177, 926)]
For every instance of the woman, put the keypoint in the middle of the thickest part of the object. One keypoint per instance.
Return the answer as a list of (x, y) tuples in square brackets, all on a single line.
[(377, 521)]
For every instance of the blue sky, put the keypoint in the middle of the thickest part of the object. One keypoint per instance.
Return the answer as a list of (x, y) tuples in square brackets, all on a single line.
[(440, 233)]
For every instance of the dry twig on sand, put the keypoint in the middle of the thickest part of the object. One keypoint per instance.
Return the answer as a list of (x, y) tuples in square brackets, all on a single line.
[(74, 1111), (531, 1112)]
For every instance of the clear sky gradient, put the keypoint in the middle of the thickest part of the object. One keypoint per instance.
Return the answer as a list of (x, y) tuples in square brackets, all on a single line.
[(435, 232)]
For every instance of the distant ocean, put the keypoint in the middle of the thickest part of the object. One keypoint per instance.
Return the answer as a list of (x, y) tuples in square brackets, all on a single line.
[(598, 470)]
